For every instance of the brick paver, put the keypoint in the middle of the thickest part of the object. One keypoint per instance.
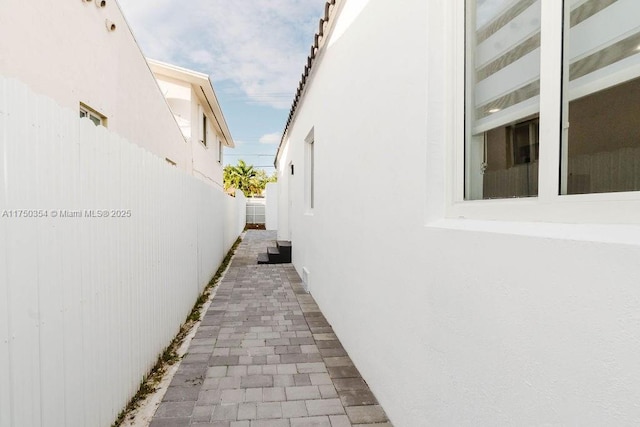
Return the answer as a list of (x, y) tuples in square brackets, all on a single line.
[(264, 355)]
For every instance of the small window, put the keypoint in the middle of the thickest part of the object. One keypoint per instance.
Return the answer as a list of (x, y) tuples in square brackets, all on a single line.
[(312, 173), (310, 170), (220, 152), (204, 130), (97, 118)]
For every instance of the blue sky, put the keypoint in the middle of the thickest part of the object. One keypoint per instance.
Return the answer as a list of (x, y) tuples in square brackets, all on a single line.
[(253, 50)]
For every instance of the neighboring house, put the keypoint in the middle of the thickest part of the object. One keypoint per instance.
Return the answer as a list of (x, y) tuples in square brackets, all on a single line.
[(403, 176), (192, 100), (94, 66), (115, 88)]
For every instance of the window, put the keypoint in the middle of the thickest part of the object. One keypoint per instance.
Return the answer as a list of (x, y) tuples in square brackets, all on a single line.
[(310, 170), (220, 150), (552, 97), (204, 130), (88, 112)]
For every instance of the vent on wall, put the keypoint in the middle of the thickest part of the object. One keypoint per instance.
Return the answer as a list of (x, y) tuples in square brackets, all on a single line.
[(305, 278)]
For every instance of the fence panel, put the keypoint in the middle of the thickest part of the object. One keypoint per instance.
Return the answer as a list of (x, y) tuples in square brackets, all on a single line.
[(5, 337), (104, 249), (256, 211), (21, 253), (234, 214)]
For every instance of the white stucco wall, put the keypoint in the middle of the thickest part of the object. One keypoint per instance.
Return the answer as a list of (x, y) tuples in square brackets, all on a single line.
[(178, 96), (205, 158), (63, 50), (451, 321)]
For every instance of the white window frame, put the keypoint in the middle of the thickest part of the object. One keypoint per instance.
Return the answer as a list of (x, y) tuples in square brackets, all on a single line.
[(549, 205), (90, 113), (220, 149)]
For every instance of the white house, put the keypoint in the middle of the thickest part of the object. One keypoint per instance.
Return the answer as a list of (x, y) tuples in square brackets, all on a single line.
[(460, 182), (192, 100)]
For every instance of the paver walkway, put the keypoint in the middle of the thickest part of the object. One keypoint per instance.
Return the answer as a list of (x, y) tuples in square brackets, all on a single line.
[(265, 356)]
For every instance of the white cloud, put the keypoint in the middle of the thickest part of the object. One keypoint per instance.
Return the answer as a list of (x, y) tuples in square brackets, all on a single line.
[(260, 45), (270, 138)]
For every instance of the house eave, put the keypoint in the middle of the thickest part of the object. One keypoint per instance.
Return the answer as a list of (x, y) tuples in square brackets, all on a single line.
[(202, 86), (325, 26)]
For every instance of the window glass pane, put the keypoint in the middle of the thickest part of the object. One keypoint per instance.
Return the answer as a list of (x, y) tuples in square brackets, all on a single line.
[(601, 144), (502, 98)]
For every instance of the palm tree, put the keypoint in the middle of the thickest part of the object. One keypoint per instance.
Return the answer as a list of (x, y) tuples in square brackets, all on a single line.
[(240, 177)]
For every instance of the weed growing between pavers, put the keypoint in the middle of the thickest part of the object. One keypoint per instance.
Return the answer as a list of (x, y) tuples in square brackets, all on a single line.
[(169, 355)]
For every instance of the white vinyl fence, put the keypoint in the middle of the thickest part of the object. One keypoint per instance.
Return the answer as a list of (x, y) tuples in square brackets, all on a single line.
[(271, 206), (104, 249), (256, 211)]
